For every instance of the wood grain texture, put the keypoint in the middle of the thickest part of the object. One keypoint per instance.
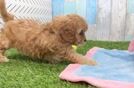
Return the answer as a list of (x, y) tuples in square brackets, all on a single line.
[(57, 7), (69, 6), (91, 10), (38, 10), (130, 27), (118, 20), (130, 8), (91, 33), (103, 19), (81, 8), (107, 19)]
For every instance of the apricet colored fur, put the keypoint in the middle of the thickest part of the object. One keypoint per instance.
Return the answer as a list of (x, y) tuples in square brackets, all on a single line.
[(51, 41)]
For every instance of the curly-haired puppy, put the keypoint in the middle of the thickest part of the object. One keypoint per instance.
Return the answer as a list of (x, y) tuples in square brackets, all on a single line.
[(51, 41)]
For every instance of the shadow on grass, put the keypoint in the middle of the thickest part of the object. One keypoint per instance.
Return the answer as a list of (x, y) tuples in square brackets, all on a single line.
[(81, 83), (14, 54)]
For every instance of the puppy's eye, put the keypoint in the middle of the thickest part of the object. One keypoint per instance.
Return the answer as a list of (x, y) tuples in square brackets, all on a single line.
[(81, 33)]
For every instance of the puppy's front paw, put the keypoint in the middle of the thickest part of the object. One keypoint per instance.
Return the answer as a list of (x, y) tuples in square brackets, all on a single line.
[(89, 61)]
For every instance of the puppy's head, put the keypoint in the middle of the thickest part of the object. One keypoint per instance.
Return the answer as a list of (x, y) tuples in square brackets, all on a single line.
[(70, 28)]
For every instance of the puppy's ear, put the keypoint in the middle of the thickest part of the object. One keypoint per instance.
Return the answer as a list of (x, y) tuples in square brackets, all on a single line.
[(68, 33)]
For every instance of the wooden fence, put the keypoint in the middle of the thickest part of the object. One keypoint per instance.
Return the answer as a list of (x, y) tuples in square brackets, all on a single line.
[(108, 19), (40, 10)]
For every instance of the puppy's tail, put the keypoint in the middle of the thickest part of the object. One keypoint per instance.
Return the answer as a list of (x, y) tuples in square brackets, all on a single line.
[(5, 15)]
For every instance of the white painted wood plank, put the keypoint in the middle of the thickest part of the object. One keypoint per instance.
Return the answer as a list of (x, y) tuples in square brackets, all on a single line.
[(39, 10), (91, 7), (103, 19), (91, 33), (130, 27), (118, 20)]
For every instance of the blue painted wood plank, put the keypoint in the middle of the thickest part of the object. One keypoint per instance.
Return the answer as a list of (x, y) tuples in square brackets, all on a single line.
[(81, 7), (69, 7), (57, 7), (91, 11), (130, 5)]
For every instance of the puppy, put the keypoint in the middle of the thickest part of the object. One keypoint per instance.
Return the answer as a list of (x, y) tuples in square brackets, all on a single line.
[(51, 41)]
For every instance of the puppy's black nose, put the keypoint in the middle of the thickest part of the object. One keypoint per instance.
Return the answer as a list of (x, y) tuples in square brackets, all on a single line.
[(85, 40)]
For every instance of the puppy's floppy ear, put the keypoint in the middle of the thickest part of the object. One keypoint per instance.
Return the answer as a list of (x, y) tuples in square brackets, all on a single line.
[(67, 33)]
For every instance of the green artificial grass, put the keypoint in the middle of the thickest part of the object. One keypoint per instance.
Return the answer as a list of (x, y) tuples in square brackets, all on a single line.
[(22, 72)]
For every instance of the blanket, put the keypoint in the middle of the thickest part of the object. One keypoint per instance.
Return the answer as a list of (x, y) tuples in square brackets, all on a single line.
[(115, 69)]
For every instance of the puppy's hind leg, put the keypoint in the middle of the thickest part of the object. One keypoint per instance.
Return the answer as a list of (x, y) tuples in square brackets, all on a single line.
[(4, 45)]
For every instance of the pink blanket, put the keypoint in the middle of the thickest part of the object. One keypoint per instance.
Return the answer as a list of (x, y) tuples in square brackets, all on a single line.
[(131, 46), (115, 69)]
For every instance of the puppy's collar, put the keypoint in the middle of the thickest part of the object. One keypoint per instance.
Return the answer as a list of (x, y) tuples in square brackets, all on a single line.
[(74, 47)]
